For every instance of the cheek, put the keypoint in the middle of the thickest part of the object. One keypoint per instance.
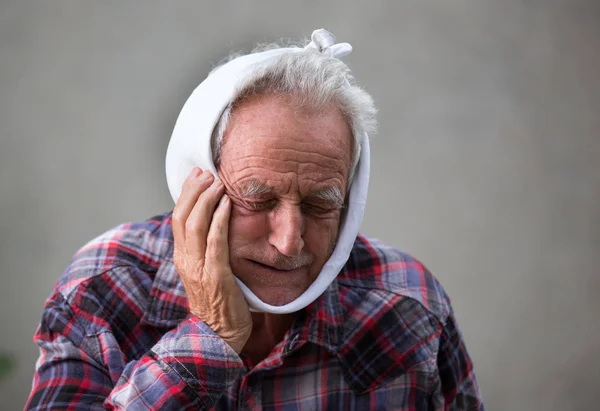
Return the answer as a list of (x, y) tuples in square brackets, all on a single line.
[(320, 236), (244, 227)]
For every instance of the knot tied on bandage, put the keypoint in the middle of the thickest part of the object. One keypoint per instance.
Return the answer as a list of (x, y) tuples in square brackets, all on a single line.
[(324, 41)]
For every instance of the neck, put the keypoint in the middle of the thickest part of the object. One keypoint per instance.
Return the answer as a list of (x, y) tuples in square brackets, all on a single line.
[(267, 330), (271, 327)]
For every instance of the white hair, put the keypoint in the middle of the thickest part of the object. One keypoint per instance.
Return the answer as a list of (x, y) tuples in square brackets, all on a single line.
[(314, 80)]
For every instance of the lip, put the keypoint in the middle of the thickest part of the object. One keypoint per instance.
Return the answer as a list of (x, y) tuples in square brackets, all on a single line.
[(264, 267)]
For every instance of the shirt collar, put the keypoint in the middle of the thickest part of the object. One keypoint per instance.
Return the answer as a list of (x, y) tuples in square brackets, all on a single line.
[(320, 323)]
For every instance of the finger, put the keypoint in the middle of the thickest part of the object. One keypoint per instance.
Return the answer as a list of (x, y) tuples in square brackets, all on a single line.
[(217, 249), (196, 183), (198, 222)]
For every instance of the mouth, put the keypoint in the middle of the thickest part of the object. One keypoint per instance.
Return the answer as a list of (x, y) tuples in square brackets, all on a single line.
[(279, 268)]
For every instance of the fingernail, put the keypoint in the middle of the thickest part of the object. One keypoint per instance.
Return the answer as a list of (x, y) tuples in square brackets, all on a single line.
[(223, 200), (194, 173)]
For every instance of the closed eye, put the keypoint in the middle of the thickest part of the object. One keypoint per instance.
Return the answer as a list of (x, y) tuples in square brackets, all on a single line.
[(319, 209), (252, 205), (259, 205)]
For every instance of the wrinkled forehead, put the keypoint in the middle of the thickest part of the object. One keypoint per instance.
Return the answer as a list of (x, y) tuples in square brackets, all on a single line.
[(270, 139), (267, 122)]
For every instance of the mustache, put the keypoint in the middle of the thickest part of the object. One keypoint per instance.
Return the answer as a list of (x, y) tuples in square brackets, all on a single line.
[(280, 261)]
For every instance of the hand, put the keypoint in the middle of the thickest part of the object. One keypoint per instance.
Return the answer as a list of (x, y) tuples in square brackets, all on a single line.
[(201, 257)]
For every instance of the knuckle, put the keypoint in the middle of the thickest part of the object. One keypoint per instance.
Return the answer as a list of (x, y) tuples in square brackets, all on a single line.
[(203, 199), (192, 225), (177, 216), (188, 183)]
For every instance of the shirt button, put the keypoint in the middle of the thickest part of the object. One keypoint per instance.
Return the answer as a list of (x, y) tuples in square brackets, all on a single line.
[(293, 342)]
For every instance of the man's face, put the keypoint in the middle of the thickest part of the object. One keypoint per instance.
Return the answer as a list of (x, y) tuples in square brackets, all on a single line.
[(285, 171)]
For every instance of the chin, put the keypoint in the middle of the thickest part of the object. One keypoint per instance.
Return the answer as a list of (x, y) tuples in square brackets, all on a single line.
[(277, 297), (271, 285)]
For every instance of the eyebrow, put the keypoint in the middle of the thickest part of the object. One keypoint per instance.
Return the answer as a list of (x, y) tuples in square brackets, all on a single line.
[(253, 188), (330, 194)]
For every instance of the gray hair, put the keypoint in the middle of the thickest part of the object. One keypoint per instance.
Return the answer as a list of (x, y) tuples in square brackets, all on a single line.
[(314, 80)]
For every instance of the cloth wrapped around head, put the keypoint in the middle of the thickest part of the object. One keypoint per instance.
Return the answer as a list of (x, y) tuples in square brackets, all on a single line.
[(190, 146)]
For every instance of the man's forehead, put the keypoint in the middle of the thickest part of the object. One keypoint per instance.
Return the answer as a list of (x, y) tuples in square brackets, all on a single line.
[(275, 151), (271, 119)]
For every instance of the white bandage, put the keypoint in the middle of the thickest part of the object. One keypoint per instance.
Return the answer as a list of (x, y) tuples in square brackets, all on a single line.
[(190, 146)]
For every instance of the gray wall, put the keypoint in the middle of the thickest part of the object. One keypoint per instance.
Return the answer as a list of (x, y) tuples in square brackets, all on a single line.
[(485, 166)]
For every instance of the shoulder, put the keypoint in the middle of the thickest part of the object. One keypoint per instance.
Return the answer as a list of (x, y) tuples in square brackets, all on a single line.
[(394, 311), (375, 268), (131, 249), (105, 290)]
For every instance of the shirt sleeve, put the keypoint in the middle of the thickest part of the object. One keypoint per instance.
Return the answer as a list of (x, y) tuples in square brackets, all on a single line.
[(188, 368), (459, 385)]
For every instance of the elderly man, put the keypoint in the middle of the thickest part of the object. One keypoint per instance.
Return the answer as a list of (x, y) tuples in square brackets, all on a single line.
[(257, 291)]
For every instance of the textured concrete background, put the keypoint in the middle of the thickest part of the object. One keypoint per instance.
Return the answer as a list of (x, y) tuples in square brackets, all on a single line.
[(485, 166)]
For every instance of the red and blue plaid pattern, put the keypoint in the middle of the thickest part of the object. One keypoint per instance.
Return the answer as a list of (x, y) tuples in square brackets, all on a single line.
[(116, 334)]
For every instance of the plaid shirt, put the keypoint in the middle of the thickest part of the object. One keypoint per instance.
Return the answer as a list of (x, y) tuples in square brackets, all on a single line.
[(116, 333)]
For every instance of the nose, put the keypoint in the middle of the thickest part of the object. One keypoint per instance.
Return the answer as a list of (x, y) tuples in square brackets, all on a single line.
[(287, 229)]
